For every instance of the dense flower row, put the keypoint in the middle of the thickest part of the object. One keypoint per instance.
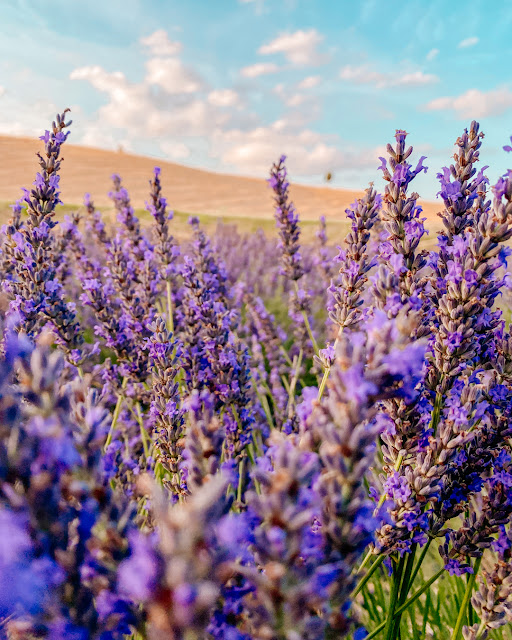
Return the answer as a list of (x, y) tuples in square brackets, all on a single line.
[(179, 462)]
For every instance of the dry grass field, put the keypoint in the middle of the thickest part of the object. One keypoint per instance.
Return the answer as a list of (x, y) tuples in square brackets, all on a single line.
[(246, 201)]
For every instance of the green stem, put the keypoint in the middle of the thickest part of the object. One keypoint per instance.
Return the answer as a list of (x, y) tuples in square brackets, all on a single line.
[(327, 371), (436, 414), (306, 323), (293, 382), (286, 356), (407, 604), (424, 552), (414, 626), (381, 501), (323, 383), (240, 481), (310, 333), (363, 564), (368, 575), (404, 588), (465, 602), (143, 432), (471, 617), (115, 417), (170, 319), (426, 611), (420, 592), (265, 404), (397, 580)]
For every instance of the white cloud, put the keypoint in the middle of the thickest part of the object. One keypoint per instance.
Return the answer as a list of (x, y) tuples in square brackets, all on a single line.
[(299, 47), (296, 99), (99, 78), (414, 79), (172, 76), (309, 83), (24, 118), (175, 150), (365, 75), (309, 153), (134, 107), (158, 44), (223, 98), (2, 90), (475, 103), (184, 108), (259, 69), (290, 99), (467, 42), (432, 54)]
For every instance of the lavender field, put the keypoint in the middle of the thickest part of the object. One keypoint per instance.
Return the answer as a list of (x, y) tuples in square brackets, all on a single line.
[(242, 436)]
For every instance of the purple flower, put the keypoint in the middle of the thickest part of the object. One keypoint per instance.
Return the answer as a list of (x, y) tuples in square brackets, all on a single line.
[(397, 488), (138, 574)]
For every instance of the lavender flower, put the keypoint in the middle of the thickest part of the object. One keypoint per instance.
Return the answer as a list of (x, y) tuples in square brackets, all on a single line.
[(33, 286), (198, 482), (355, 262), (183, 568), (492, 601), (165, 409), (55, 499), (289, 232), (402, 222), (166, 249)]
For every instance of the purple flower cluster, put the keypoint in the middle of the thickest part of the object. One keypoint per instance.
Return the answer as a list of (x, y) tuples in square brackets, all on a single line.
[(174, 462), (31, 279), (287, 221)]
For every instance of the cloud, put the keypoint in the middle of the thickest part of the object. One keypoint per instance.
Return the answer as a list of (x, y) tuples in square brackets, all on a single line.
[(172, 105), (175, 150), (309, 153), (158, 44), (365, 75), (292, 98), (475, 103), (309, 83), (298, 47), (2, 91), (467, 42), (24, 118), (259, 69), (172, 76), (223, 98), (99, 78), (135, 108), (432, 54)]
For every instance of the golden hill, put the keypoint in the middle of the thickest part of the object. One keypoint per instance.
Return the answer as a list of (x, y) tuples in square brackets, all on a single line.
[(190, 190)]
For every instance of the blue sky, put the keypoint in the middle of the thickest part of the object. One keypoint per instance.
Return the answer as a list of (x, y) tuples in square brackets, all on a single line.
[(229, 85)]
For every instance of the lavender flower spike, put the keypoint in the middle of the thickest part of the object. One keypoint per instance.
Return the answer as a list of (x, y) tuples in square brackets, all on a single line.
[(287, 222), (35, 291), (354, 261)]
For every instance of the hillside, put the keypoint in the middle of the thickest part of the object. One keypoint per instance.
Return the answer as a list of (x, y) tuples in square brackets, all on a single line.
[(189, 190)]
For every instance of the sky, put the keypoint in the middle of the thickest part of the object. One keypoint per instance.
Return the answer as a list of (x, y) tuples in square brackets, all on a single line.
[(230, 85)]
